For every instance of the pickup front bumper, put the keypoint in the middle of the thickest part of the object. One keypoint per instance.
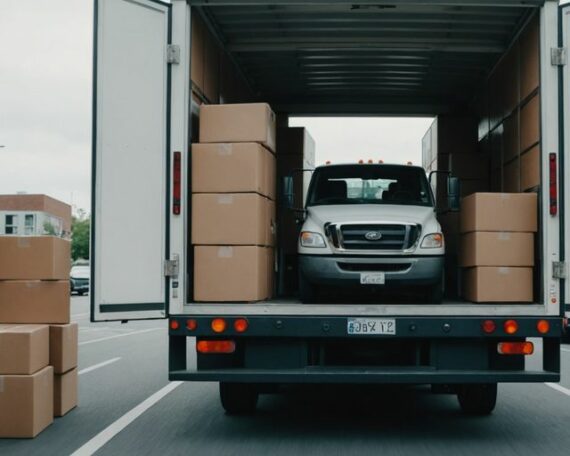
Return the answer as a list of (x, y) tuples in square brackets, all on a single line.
[(346, 270)]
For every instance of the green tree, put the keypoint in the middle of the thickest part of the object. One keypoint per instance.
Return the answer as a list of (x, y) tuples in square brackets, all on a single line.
[(80, 225)]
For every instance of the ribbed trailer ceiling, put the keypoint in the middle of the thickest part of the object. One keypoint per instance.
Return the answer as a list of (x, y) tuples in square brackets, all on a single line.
[(336, 57)]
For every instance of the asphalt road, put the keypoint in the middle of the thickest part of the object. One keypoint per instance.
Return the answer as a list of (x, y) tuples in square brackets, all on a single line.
[(122, 367)]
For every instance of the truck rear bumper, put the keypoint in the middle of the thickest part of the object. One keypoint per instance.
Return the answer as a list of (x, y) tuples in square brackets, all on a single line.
[(399, 271), (363, 375)]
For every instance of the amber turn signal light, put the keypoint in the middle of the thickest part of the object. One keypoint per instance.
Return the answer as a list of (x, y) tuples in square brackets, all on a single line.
[(543, 326), (219, 325), (215, 346), (511, 326), (515, 348)]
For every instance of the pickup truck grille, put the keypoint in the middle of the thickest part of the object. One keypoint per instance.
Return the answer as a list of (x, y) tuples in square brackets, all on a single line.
[(373, 236)]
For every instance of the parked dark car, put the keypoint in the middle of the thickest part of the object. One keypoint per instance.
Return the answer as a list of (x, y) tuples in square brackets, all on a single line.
[(79, 279)]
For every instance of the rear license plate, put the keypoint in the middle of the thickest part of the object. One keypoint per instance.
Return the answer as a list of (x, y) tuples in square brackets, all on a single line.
[(376, 278), (371, 326)]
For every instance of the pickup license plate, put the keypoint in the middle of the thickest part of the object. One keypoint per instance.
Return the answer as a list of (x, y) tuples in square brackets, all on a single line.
[(376, 278), (371, 326)]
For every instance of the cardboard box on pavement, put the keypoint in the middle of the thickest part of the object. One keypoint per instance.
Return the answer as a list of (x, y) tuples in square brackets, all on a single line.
[(232, 273), (233, 168), (34, 301), (26, 403), (498, 284), (229, 123), (24, 349), (513, 212), (63, 347), (65, 395), (34, 258)]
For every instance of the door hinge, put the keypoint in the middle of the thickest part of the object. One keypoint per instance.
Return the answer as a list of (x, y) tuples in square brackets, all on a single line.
[(559, 56), (558, 270), (173, 53), (171, 267)]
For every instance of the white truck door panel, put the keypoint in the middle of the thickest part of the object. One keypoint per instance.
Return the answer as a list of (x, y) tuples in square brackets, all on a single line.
[(130, 159), (564, 195)]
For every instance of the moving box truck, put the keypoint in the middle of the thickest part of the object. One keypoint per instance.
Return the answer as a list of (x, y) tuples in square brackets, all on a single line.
[(494, 74)]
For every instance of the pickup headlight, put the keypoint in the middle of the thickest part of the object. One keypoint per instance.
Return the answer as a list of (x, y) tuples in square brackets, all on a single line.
[(314, 240), (433, 241)]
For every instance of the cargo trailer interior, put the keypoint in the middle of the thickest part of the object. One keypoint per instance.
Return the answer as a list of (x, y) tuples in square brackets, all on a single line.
[(482, 70)]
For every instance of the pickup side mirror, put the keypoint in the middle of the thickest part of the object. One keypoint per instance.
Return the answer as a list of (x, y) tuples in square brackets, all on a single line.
[(287, 193), (453, 193)]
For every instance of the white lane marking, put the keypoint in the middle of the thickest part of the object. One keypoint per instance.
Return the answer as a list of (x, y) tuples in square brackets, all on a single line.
[(97, 366), (559, 388), (132, 333), (97, 442)]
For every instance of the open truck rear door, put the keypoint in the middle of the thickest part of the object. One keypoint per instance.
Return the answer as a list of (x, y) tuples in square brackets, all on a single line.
[(130, 194), (564, 175)]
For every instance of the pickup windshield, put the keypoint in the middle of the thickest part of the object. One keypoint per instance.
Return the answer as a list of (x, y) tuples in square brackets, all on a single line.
[(369, 184)]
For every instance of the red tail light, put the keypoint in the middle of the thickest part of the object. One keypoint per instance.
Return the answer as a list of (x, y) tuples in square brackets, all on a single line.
[(176, 183), (515, 348), (241, 325), (543, 326), (191, 324), (511, 326), (174, 325), (553, 185), (219, 325), (489, 326), (216, 346)]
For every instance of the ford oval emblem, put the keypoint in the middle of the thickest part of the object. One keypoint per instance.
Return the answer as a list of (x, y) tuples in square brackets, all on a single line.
[(373, 235)]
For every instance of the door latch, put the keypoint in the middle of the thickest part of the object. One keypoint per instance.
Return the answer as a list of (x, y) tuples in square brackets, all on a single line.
[(558, 270), (171, 267), (559, 56), (173, 53)]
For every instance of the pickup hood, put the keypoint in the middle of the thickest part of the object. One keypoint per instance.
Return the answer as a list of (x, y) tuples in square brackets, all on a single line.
[(370, 213)]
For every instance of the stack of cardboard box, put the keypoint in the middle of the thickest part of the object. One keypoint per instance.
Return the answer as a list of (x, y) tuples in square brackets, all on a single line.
[(36, 339), (497, 246), (296, 153), (233, 203)]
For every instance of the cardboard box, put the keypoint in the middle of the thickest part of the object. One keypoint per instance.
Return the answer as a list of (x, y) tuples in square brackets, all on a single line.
[(498, 284), (65, 395), (485, 248), (253, 122), (530, 123), (296, 141), (232, 219), (34, 258), (499, 212), (26, 404), (530, 169), (34, 301), (233, 168), (231, 274), (63, 347), (24, 349), (464, 166), (512, 176), (530, 59)]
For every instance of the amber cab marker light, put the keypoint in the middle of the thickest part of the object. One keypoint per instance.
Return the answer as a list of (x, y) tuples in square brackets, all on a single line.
[(174, 325), (216, 346), (515, 348), (218, 325), (191, 325), (511, 326), (489, 326), (543, 326), (240, 325)]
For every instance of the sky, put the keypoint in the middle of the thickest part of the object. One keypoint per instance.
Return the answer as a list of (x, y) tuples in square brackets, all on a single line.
[(45, 107)]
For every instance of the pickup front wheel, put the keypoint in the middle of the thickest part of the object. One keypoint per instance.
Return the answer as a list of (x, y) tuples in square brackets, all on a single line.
[(238, 398)]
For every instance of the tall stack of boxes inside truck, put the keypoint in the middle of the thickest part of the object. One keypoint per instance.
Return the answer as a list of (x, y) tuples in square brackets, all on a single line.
[(497, 246), (38, 345), (233, 203), (296, 158)]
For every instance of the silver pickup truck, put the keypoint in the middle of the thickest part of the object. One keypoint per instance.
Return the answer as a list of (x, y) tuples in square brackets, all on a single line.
[(370, 225)]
